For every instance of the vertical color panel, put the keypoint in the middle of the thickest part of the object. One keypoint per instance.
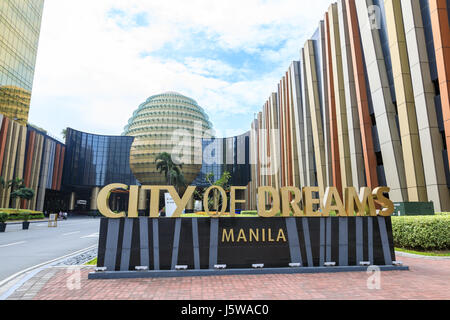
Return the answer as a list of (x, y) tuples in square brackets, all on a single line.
[(343, 241), (412, 153), (381, 97), (370, 161), (195, 243), (336, 166), (305, 227), (354, 131), (424, 93), (143, 241), (359, 240), (155, 225), (111, 244), (341, 110), (385, 241), (294, 244), (213, 238), (316, 117), (126, 245), (176, 242), (441, 34)]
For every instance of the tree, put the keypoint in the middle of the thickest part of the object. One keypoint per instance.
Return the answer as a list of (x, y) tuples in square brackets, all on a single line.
[(3, 183), (23, 193), (223, 182), (173, 172), (16, 184), (64, 133)]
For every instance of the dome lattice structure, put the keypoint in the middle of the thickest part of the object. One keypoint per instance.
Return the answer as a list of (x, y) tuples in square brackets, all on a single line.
[(168, 122)]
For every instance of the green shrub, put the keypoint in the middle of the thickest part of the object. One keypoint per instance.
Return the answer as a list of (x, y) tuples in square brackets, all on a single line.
[(250, 212), (422, 232), (25, 216), (3, 217)]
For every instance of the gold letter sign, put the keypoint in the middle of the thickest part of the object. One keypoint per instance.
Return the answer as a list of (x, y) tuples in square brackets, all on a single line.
[(302, 202)]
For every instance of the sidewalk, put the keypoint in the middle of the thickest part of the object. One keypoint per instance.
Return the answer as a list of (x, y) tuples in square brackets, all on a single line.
[(428, 279)]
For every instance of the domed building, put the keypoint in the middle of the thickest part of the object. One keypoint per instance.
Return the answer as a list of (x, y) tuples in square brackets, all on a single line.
[(168, 122)]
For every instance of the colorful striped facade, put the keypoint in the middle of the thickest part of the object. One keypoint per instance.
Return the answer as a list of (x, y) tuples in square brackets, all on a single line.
[(31, 155), (367, 104)]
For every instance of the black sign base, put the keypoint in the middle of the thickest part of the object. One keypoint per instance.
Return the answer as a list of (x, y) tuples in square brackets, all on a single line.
[(201, 244)]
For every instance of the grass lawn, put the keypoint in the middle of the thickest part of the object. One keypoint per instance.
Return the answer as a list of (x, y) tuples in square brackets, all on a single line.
[(91, 263), (436, 253)]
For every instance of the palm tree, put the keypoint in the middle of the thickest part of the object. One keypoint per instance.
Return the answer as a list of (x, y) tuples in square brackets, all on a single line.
[(16, 183), (23, 193), (3, 183), (176, 177), (173, 172)]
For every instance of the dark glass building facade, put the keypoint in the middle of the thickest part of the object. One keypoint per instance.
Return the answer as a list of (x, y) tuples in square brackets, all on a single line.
[(93, 161), (226, 154)]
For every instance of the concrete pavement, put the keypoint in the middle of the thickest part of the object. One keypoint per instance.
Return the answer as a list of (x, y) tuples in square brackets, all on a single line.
[(22, 249)]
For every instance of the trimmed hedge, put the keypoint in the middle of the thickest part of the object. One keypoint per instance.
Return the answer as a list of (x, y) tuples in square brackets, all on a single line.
[(422, 232), (250, 212), (19, 214)]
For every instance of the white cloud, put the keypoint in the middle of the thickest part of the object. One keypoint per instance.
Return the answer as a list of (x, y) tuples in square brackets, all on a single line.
[(90, 73)]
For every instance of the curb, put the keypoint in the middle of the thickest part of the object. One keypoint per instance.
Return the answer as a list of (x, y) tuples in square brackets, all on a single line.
[(229, 272), (20, 222), (419, 256)]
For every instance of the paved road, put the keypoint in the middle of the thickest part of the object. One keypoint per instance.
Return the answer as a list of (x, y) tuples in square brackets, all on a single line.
[(21, 249)]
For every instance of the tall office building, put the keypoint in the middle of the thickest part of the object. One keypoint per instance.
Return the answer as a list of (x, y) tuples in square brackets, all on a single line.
[(26, 152), (20, 23), (367, 104)]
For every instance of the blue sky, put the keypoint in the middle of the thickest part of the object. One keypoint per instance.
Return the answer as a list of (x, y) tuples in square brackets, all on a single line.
[(96, 65)]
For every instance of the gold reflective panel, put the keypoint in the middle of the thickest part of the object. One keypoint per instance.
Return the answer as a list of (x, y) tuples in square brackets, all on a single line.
[(388, 205), (262, 211), (103, 201), (364, 202), (180, 202), (309, 201), (286, 204), (233, 199), (224, 201), (154, 199), (354, 204), (133, 202), (20, 23), (333, 202)]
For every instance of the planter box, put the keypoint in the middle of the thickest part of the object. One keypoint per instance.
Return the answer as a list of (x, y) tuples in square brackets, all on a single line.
[(413, 208)]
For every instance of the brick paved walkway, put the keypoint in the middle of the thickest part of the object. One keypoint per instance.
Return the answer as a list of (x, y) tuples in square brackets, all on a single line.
[(427, 279)]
